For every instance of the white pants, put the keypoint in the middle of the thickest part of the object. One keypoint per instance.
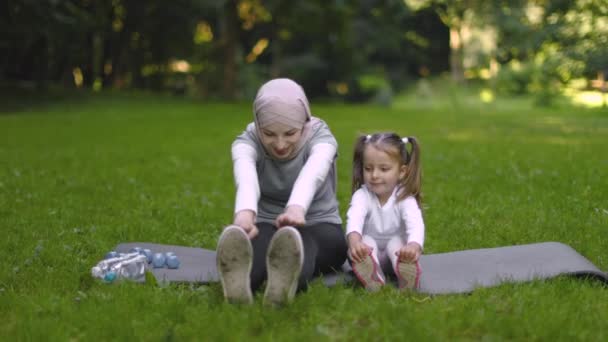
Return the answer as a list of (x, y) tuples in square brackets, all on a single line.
[(387, 258)]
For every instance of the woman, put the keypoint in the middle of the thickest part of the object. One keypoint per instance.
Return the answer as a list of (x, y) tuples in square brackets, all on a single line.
[(287, 226)]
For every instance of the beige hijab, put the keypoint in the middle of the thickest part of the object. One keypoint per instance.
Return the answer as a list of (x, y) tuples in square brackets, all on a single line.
[(284, 101)]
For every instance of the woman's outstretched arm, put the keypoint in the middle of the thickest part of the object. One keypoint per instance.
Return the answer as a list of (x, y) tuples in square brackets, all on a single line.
[(311, 177), (247, 187)]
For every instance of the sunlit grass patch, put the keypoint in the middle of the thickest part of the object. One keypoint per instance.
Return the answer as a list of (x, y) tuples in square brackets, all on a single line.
[(588, 98)]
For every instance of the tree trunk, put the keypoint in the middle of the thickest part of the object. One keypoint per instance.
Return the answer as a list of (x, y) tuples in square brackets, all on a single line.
[(97, 61), (603, 87), (456, 54), (275, 50), (229, 46), (494, 69), (43, 66)]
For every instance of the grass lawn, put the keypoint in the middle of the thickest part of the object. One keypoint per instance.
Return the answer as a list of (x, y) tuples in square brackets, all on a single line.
[(77, 177)]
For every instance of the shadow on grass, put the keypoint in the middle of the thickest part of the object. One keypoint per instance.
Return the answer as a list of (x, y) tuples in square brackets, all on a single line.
[(19, 98)]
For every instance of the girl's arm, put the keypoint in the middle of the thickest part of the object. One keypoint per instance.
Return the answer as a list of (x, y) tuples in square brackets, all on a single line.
[(357, 211), (311, 177), (412, 217), (414, 226), (355, 219), (247, 187)]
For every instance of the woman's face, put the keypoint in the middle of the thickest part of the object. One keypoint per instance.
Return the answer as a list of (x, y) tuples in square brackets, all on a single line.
[(280, 140)]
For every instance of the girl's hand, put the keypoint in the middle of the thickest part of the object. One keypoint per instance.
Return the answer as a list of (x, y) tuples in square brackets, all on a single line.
[(410, 252), (294, 216), (246, 220), (358, 251)]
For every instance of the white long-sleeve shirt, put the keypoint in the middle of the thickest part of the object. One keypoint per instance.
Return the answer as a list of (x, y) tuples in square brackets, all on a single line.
[(310, 178), (266, 186), (395, 218)]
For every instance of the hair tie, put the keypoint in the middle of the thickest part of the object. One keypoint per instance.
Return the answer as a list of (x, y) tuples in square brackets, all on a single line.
[(405, 140), (368, 137)]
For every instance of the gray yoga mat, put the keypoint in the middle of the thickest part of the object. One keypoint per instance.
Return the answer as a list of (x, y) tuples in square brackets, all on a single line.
[(454, 272)]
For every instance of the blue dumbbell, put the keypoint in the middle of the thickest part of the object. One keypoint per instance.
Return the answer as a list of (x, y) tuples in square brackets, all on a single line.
[(172, 261), (112, 254), (148, 253), (135, 250), (158, 260)]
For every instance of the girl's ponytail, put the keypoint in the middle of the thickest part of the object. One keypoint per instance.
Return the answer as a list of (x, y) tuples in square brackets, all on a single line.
[(412, 181), (358, 162)]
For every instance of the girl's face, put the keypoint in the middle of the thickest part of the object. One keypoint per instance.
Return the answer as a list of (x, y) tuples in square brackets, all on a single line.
[(280, 140), (381, 172)]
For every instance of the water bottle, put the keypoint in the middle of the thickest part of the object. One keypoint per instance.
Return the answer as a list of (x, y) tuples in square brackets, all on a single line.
[(132, 269), (127, 266), (103, 266)]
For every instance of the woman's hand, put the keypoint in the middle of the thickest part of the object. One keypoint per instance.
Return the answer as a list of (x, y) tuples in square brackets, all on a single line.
[(410, 252), (294, 215), (357, 249), (246, 220)]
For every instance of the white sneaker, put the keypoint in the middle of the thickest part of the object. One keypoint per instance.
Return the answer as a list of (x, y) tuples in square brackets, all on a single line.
[(284, 262), (408, 274), (234, 259), (369, 273)]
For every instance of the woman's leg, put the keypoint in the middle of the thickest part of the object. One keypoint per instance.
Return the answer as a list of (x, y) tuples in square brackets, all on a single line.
[(284, 261), (234, 259), (324, 250), (260, 244)]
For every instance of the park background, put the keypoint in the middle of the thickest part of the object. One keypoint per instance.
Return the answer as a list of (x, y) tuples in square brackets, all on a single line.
[(116, 119)]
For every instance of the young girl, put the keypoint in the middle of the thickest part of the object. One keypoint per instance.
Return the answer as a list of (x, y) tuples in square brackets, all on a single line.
[(287, 227), (384, 229)]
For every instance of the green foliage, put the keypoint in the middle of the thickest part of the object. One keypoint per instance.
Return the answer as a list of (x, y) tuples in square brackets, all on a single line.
[(371, 82), (556, 42), (321, 44), (513, 78), (125, 44), (373, 86), (78, 177)]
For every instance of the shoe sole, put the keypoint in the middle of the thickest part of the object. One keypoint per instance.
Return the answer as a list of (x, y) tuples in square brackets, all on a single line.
[(234, 260), (284, 264), (367, 273), (408, 275)]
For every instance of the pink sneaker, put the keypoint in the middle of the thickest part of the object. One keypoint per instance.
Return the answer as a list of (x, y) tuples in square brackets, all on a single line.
[(408, 274), (369, 273)]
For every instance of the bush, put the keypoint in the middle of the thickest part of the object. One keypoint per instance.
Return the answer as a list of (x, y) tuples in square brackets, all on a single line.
[(541, 78), (371, 87), (514, 78)]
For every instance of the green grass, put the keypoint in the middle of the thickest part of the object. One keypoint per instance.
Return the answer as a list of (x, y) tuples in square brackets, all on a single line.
[(78, 177)]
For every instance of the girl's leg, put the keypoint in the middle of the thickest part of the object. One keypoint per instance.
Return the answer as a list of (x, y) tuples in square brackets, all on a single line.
[(408, 273), (369, 241), (368, 271), (392, 248), (324, 250)]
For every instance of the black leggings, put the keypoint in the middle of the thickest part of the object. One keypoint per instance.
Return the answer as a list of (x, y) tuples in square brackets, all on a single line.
[(324, 251)]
